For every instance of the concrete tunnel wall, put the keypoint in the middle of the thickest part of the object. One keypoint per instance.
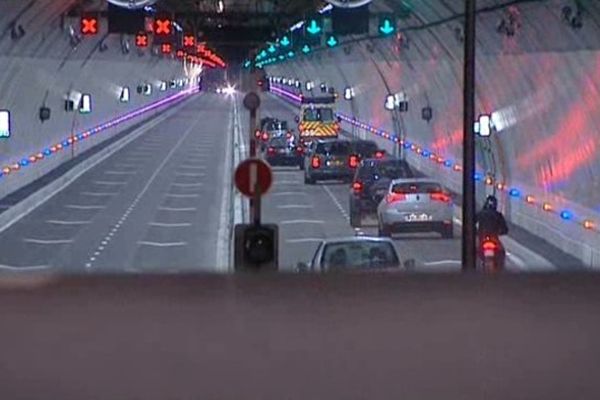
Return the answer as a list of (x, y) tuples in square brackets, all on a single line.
[(542, 86), (43, 68)]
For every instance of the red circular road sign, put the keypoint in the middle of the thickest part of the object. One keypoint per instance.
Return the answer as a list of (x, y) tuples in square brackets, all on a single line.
[(251, 175)]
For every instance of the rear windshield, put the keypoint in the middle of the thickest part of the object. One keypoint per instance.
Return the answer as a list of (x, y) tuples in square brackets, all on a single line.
[(277, 126), (318, 114), (278, 142), (384, 169), (416, 187), (335, 148), (365, 149), (359, 255)]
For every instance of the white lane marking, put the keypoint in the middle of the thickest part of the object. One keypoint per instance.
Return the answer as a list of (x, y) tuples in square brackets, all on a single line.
[(197, 184), (339, 205), (191, 195), (189, 174), (48, 241), (109, 183), (177, 209), (162, 244), (287, 182), (170, 225), (304, 240), (59, 222), (125, 165), (294, 206), (442, 262), (120, 172), (288, 194), (84, 207), (192, 166), (25, 268), (98, 193), (301, 221)]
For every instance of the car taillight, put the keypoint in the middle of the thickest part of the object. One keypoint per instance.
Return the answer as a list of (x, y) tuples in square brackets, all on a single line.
[(443, 197), (353, 161), (395, 197), (271, 150), (489, 248), (265, 136), (357, 187), (257, 134), (379, 154), (315, 162)]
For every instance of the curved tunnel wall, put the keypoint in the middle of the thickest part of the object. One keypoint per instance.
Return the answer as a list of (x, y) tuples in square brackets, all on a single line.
[(541, 86), (43, 68)]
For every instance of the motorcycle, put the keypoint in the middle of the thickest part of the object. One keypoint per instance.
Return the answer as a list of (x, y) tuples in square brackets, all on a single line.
[(491, 254)]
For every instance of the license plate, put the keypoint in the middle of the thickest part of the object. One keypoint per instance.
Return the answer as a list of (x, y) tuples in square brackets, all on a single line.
[(417, 217), (334, 163)]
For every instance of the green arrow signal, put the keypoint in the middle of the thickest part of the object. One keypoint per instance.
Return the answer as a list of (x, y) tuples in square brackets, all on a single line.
[(313, 27), (306, 49), (281, 57), (291, 54), (262, 54), (332, 41), (285, 41), (271, 49), (387, 27)]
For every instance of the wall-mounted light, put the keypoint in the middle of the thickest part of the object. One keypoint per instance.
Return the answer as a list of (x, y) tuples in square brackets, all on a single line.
[(4, 124), (125, 95), (323, 87), (483, 126), (147, 89), (390, 102), (162, 86), (427, 113), (173, 84), (85, 104), (180, 83), (348, 93), (44, 113)]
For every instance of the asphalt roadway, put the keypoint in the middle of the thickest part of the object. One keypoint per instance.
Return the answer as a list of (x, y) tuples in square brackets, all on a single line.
[(153, 206)]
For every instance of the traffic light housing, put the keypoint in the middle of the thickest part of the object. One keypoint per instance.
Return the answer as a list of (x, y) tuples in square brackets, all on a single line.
[(387, 25), (256, 247)]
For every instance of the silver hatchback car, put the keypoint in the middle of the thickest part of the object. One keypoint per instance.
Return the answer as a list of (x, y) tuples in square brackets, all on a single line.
[(416, 205)]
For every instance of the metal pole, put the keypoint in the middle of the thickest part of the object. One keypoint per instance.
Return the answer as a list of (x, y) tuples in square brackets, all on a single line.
[(254, 201), (468, 208)]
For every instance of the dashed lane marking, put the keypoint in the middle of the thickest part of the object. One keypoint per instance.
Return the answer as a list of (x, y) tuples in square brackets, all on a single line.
[(120, 172), (191, 195), (301, 221), (177, 209), (197, 184), (285, 206), (162, 244), (48, 241), (59, 222), (193, 174), (304, 240), (100, 194), (24, 268), (84, 207), (288, 194), (109, 183), (170, 225)]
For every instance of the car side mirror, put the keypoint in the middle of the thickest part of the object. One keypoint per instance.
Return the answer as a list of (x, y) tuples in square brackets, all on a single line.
[(410, 263), (302, 267), (297, 118)]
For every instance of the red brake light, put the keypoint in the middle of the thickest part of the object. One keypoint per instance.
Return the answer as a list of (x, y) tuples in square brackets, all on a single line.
[(315, 162), (257, 134), (379, 154), (271, 150), (439, 196), (353, 161), (489, 248), (357, 187), (394, 197), (265, 136)]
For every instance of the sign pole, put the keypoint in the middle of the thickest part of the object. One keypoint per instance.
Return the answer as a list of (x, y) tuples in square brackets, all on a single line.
[(468, 208)]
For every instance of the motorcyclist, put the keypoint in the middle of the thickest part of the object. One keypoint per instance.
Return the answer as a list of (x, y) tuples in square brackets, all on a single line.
[(491, 224), (490, 221)]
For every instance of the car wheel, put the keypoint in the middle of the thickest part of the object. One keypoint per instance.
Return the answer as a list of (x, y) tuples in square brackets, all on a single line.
[(447, 232)]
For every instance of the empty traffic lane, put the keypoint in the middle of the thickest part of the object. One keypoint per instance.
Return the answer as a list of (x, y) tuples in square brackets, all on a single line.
[(153, 205)]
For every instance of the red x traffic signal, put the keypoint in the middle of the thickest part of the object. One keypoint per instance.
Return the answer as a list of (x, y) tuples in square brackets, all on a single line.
[(141, 39), (163, 26), (166, 48), (89, 25), (189, 41)]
